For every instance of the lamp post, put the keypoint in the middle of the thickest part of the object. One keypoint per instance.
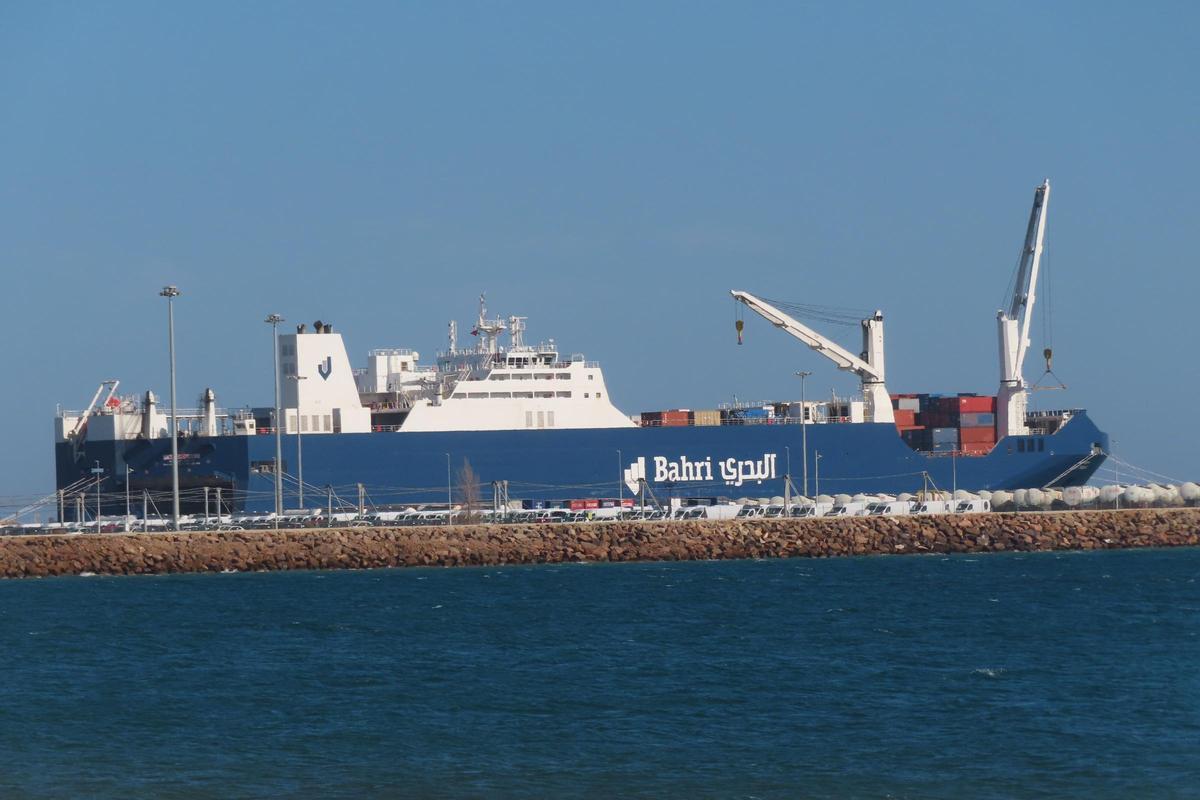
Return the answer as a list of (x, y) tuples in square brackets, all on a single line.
[(817, 468), (804, 427), (171, 292), (299, 450), (274, 320), (620, 482), (449, 496), (127, 471), (98, 471), (1112, 450)]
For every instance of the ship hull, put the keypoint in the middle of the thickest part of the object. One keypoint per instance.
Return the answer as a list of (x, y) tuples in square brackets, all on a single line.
[(702, 461)]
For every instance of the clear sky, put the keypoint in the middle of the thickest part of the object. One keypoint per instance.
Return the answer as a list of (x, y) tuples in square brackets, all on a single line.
[(609, 169)]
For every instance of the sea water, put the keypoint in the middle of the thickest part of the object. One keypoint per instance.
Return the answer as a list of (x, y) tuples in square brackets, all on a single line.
[(1038, 675)]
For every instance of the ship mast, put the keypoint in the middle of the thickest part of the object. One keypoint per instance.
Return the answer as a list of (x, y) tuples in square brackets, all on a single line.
[(1014, 323)]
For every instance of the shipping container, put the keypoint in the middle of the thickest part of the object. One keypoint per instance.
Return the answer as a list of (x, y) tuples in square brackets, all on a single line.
[(905, 418), (977, 435), (977, 419), (676, 418), (707, 417), (986, 405), (944, 435)]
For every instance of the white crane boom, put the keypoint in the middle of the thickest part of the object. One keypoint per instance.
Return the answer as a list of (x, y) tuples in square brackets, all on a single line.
[(83, 418), (869, 367), (1015, 322)]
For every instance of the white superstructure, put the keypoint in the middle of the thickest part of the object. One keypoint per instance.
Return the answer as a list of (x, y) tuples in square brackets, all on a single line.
[(490, 387)]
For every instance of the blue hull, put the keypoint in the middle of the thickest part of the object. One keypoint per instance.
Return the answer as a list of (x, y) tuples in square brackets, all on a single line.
[(716, 461)]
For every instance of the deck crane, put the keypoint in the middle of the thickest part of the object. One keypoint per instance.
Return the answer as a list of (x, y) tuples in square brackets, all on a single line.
[(868, 367), (81, 423), (1014, 323)]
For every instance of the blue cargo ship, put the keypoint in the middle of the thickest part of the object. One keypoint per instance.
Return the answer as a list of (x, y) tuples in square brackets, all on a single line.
[(534, 424)]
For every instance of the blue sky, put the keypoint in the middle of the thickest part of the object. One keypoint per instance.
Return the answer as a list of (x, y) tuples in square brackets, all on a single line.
[(611, 170)]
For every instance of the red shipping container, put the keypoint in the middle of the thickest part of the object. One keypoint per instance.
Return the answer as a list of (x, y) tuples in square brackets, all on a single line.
[(676, 418), (977, 404), (905, 417), (977, 436)]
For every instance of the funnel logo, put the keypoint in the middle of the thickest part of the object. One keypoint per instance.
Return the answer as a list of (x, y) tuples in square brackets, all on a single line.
[(325, 368), (635, 473)]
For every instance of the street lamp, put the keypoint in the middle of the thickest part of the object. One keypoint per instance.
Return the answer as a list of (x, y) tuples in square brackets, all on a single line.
[(620, 482), (128, 470), (449, 495), (299, 450), (804, 427), (171, 292), (98, 471), (817, 467), (275, 319)]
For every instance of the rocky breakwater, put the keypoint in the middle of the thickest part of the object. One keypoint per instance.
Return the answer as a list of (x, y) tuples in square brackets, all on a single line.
[(363, 548)]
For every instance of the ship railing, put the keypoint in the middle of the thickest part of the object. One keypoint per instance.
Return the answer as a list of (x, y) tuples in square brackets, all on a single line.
[(392, 351), (1064, 413), (385, 428), (165, 410), (691, 423)]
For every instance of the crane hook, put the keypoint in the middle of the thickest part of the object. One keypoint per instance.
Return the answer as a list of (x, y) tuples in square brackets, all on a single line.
[(739, 325), (1049, 355)]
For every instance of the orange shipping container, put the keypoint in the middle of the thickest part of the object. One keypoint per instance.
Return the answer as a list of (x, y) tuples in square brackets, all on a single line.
[(977, 404), (977, 436)]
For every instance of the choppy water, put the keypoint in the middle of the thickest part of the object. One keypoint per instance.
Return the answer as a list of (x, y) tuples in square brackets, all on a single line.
[(1046, 675)]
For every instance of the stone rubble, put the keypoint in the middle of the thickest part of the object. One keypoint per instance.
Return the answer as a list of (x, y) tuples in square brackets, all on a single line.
[(367, 548)]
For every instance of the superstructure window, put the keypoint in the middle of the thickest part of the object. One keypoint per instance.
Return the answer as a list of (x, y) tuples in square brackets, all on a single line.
[(562, 394), (527, 395), (501, 395), (477, 395), (563, 376), (543, 394), (544, 376)]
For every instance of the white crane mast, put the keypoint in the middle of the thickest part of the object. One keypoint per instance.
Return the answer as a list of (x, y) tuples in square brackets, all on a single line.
[(1014, 323), (869, 368)]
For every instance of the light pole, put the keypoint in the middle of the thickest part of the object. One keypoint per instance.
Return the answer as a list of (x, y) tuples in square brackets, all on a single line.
[(275, 319), (97, 471), (449, 500), (299, 449), (620, 482), (804, 428), (171, 292), (817, 468), (1112, 449), (127, 471)]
